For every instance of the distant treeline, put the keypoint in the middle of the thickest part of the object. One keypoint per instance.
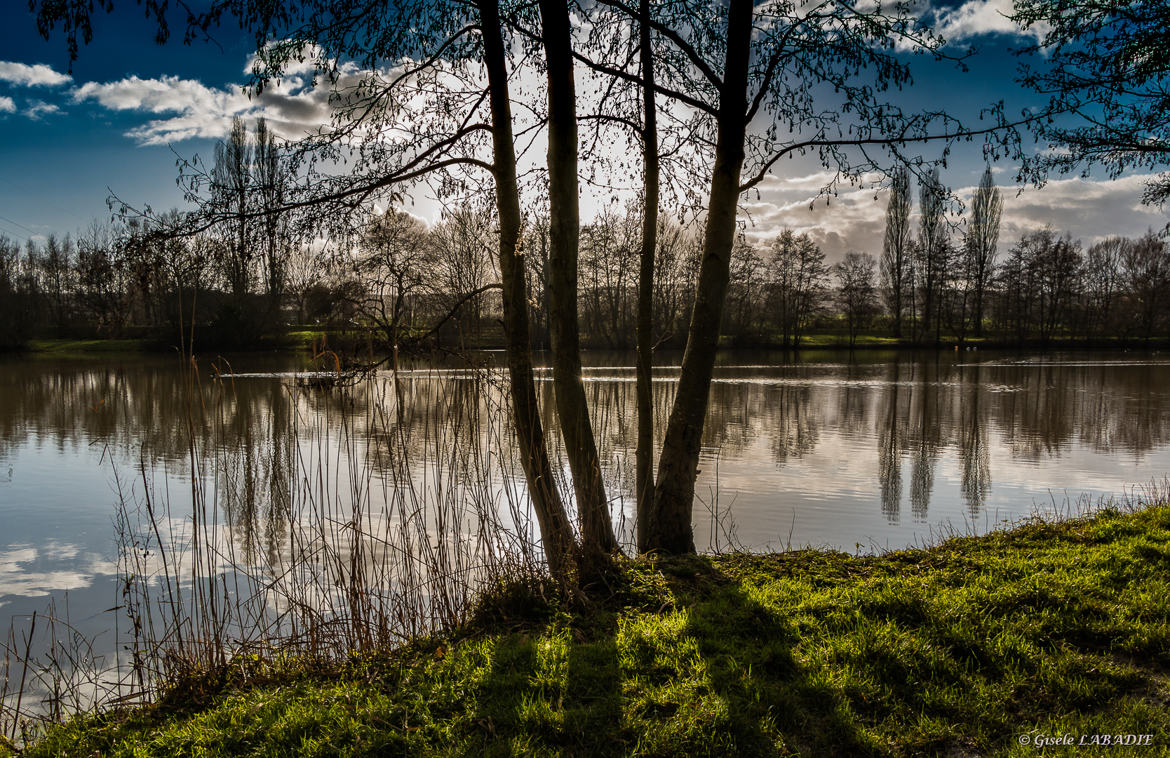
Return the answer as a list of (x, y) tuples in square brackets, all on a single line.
[(402, 283)]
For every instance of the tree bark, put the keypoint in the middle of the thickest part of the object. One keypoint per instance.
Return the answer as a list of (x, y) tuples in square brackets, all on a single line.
[(644, 455), (597, 538), (555, 529), (669, 524)]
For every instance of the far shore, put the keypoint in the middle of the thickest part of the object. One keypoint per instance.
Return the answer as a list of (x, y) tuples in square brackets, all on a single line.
[(306, 340)]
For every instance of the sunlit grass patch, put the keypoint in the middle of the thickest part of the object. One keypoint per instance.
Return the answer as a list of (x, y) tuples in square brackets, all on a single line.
[(69, 346)]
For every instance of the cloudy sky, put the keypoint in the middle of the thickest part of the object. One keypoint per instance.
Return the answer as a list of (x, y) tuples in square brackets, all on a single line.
[(129, 108)]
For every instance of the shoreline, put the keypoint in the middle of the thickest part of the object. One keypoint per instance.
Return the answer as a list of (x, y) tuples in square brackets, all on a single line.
[(302, 341), (1041, 631)]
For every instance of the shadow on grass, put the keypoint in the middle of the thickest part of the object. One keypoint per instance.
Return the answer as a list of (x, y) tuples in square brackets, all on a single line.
[(725, 682), (774, 704), (552, 689)]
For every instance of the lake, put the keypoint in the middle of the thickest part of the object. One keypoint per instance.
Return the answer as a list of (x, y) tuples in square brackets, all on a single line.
[(861, 453)]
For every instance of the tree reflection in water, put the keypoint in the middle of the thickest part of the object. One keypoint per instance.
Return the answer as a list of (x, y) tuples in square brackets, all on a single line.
[(772, 418)]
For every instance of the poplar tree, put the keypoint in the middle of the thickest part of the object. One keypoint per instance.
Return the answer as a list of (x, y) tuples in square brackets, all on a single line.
[(981, 241), (896, 261)]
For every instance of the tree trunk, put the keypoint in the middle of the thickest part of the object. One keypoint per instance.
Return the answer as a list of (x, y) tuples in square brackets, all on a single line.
[(555, 529), (669, 525), (597, 537), (644, 455), (980, 285), (898, 284)]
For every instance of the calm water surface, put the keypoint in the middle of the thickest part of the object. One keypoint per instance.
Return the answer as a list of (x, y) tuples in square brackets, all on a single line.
[(872, 452)]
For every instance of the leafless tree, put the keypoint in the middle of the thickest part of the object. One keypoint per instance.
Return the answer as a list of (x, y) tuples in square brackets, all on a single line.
[(464, 243), (392, 261), (931, 253), (897, 265), (1102, 286), (1145, 267), (981, 242), (856, 298), (797, 283), (230, 195)]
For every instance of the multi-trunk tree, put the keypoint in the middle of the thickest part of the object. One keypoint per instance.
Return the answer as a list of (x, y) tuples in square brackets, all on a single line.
[(798, 278), (856, 297), (422, 90)]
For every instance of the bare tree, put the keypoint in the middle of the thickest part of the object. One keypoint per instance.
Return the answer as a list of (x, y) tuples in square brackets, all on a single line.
[(17, 292), (897, 269), (1058, 264), (101, 295), (392, 261), (463, 241), (676, 267), (555, 529), (1102, 285), (1145, 266), (981, 242), (644, 453), (1038, 283), (303, 268), (930, 266), (56, 274), (855, 292), (731, 63), (271, 179), (668, 525), (608, 270), (230, 193), (597, 538), (747, 291), (797, 280), (536, 270)]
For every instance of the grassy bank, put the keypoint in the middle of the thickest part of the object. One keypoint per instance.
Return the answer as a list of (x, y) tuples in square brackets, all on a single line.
[(306, 339), (64, 347), (969, 648), (103, 346)]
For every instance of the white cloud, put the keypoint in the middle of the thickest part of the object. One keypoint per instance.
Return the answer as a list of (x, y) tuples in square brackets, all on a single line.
[(979, 17), (193, 110), (1088, 209), (35, 75), (852, 220), (200, 111), (23, 573), (39, 108), (305, 62), (7, 105)]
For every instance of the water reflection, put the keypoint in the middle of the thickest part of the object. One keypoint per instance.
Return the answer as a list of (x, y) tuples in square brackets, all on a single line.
[(830, 450), (785, 434), (874, 450), (973, 448), (891, 440)]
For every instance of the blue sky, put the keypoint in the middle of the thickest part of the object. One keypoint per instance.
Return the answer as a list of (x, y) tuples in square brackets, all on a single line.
[(58, 166), (129, 106)]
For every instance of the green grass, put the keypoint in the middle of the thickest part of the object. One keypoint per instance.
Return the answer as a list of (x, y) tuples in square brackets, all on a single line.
[(952, 651), (842, 340), (87, 346), (305, 338), (298, 339)]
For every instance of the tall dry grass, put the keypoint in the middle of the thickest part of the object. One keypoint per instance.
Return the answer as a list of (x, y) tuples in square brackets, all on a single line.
[(347, 517)]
